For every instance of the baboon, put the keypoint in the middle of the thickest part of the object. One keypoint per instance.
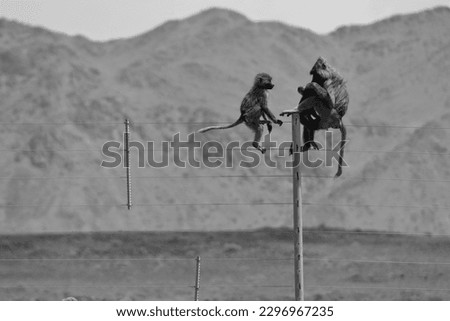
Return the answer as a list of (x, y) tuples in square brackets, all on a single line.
[(253, 107), (323, 104)]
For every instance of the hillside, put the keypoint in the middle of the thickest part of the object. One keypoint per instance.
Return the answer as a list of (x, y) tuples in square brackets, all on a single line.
[(62, 97)]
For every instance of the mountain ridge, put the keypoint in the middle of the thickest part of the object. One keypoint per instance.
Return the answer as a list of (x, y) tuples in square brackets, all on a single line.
[(229, 12), (184, 73)]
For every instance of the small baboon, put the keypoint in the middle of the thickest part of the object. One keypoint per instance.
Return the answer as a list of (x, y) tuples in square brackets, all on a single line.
[(324, 102), (253, 107)]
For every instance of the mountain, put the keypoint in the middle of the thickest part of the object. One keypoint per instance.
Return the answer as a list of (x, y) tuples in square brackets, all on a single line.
[(62, 98)]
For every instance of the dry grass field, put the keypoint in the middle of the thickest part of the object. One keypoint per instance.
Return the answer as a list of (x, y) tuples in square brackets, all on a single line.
[(161, 266)]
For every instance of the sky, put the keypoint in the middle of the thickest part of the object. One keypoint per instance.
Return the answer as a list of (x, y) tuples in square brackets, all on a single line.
[(103, 20)]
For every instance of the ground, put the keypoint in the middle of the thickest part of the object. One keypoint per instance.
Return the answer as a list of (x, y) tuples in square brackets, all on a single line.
[(251, 265)]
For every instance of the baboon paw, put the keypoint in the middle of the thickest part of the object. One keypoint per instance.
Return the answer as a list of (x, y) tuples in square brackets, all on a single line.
[(259, 147)]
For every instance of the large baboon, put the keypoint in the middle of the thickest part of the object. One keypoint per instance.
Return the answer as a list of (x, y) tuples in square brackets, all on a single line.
[(323, 104), (253, 107)]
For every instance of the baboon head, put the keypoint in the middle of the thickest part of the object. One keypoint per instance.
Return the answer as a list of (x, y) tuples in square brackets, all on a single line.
[(321, 70), (263, 81)]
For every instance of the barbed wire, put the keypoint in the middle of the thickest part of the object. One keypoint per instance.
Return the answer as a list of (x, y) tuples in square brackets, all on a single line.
[(233, 259), (397, 126), (142, 177), (60, 123), (151, 285), (187, 177), (376, 233), (57, 123), (52, 150), (94, 286), (375, 261), (244, 285), (402, 179), (284, 150), (351, 232), (148, 205), (224, 259), (97, 259), (378, 288), (59, 177), (435, 207), (221, 285), (327, 259)]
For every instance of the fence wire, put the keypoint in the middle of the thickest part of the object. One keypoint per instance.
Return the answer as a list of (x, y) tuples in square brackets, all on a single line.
[(184, 177), (284, 150), (236, 259), (112, 123), (429, 206)]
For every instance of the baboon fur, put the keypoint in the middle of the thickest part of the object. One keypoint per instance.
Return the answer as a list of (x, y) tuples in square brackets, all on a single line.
[(253, 107), (323, 104)]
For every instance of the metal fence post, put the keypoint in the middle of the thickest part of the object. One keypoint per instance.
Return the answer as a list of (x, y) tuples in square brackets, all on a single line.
[(127, 161), (197, 279)]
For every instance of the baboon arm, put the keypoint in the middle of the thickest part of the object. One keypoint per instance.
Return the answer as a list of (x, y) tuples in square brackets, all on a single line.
[(264, 121), (331, 93), (309, 102), (323, 93), (266, 111)]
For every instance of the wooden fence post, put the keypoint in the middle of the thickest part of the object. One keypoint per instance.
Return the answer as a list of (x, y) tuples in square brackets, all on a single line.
[(297, 202)]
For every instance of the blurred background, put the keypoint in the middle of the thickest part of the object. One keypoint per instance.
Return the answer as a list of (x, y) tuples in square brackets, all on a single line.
[(381, 231)]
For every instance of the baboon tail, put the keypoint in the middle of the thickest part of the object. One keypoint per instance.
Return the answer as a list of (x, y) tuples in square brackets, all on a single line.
[(341, 152), (206, 129)]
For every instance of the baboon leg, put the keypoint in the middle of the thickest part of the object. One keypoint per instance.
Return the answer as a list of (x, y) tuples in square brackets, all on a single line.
[(341, 151), (308, 140), (310, 120), (266, 122), (258, 135)]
